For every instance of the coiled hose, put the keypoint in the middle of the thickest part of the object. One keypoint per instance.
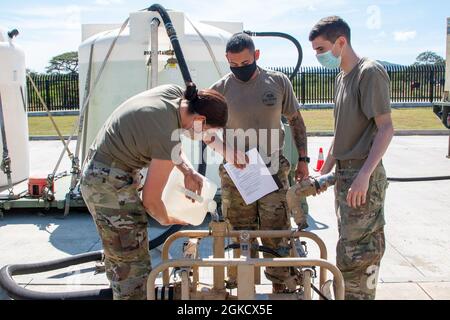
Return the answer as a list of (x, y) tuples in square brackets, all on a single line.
[(17, 292)]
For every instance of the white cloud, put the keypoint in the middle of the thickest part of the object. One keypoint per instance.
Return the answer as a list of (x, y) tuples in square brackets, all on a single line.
[(46, 31), (48, 11), (108, 2), (51, 17), (256, 13), (38, 53), (373, 22), (50, 30), (404, 35)]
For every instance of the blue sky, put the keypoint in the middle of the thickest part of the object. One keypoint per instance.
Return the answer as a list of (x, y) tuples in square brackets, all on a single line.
[(392, 30)]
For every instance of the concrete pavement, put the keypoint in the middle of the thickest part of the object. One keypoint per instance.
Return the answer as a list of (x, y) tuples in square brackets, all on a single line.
[(416, 264)]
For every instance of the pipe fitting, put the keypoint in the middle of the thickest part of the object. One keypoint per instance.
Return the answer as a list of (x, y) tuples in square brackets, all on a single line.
[(309, 187)]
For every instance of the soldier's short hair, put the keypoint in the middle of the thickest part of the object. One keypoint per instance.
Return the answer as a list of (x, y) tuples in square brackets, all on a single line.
[(239, 42), (331, 28)]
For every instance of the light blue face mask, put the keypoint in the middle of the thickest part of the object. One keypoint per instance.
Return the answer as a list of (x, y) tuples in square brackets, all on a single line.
[(329, 60)]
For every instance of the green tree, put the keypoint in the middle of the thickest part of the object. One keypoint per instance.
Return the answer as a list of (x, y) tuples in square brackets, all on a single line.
[(64, 63), (427, 58), (31, 72)]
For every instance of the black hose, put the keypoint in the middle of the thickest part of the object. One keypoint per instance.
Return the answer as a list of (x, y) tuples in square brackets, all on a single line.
[(17, 292), (159, 240), (256, 247), (202, 165), (284, 36), (418, 179), (172, 34), (13, 33)]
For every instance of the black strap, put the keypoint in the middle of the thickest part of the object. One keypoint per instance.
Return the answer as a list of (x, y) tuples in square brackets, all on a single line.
[(6, 161), (277, 181), (3, 131), (318, 292), (274, 176), (316, 184)]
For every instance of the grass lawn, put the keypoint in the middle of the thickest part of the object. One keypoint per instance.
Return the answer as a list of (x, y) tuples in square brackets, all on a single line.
[(42, 126), (316, 120), (404, 119)]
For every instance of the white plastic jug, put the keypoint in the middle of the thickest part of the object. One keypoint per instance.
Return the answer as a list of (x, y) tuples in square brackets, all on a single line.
[(178, 206)]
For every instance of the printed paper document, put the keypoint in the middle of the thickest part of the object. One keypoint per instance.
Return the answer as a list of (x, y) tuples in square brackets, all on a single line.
[(255, 180)]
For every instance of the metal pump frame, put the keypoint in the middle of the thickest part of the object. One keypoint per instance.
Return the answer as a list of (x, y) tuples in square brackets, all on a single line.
[(248, 269)]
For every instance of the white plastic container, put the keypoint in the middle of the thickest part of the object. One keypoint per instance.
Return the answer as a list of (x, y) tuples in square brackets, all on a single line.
[(178, 206), (13, 94)]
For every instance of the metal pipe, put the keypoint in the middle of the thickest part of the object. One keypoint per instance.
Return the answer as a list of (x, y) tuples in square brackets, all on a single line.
[(246, 279), (448, 155), (277, 262), (195, 276), (303, 189), (154, 52), (307, 285), (218, 230), (172, 34), (184, 285)]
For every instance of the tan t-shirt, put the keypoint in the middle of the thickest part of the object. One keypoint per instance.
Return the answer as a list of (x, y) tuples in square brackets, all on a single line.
[(258, 104), (140, 129), (360, 96)]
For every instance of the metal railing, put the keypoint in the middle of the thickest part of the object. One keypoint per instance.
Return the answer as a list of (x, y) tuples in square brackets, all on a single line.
[(59, 91), (315, 85), (312, 85)]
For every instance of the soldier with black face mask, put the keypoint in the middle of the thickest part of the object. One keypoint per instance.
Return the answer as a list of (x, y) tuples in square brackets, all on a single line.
[(257, 99)]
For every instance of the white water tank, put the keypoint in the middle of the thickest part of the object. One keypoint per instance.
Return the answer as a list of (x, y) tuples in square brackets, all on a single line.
[(13, 99), (128, 72)]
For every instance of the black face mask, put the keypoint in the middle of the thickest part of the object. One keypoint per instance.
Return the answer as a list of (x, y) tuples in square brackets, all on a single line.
[(244, 73)]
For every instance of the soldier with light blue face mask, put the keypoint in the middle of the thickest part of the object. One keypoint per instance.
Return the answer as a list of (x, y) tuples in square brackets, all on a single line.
[(329, 60), (363, 131)]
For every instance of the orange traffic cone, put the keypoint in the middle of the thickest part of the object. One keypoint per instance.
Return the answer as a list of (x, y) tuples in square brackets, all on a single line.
[(320, 161)]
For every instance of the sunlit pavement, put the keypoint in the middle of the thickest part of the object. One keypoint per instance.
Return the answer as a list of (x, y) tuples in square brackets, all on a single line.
[(416, 264)]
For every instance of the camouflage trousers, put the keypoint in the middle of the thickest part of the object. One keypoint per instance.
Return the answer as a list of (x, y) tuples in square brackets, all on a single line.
[(361, 243), (111, 196), (268, 213)]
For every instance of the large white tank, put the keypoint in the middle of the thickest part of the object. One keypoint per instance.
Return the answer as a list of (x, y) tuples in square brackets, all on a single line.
[(127, 73), (12, 91)]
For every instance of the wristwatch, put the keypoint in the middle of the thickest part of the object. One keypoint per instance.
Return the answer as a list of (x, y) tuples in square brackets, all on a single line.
[(304, 159)]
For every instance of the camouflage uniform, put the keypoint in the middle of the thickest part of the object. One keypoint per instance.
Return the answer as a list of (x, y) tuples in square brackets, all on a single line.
[(361, 243), (112, 198), (268, 213)]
